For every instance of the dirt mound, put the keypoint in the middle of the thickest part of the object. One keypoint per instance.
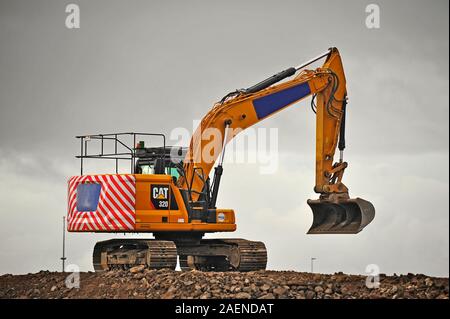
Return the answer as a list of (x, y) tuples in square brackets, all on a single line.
[(143, 283)]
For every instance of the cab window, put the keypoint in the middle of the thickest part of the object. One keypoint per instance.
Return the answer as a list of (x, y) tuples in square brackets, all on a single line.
[(147, 169), (172, 171)]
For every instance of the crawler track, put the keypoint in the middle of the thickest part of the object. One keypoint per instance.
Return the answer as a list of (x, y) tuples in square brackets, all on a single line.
[(252, 254), (124, 254), (205, 255), (223, 255)]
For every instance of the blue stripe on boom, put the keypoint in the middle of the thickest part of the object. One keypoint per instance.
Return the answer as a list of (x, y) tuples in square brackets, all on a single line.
[(271, 103)]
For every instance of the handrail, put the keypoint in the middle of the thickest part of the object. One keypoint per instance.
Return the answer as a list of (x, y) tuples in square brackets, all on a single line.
[(116, 155)]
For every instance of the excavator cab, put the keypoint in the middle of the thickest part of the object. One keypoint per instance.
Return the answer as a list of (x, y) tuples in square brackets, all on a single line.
[(342, 216), (159, 160)]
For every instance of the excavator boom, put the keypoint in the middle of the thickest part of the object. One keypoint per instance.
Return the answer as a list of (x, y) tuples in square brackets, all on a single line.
[(334, 212)]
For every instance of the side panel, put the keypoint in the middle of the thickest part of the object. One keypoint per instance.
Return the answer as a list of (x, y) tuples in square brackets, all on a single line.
[(158, 201), (108, 208)]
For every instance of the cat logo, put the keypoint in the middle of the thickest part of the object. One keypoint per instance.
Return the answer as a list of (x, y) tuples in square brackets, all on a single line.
[(160, 196), (160, 192)]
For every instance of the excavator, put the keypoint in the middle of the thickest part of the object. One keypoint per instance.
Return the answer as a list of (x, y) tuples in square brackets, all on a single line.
[(169, 191)]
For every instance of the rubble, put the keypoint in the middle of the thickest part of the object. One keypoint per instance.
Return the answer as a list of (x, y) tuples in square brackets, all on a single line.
[(167, 284)]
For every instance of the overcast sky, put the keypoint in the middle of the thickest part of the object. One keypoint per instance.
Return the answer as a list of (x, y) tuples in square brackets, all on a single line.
[(151, 66)]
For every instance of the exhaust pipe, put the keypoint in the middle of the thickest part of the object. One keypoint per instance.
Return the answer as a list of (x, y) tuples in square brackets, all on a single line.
[(344, 216)]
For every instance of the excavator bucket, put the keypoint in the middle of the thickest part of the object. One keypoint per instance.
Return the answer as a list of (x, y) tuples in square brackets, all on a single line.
[(345, 216)]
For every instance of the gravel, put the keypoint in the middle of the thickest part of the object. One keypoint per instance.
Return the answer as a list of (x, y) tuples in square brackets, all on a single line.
[(167, 284)]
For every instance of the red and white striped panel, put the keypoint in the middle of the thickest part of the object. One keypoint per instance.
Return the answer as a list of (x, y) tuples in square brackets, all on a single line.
[(116, 205)]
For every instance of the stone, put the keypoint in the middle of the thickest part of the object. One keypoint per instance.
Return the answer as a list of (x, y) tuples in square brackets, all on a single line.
[(168, 295), (300, 295), (310, 294), (267, 296), (318, 289), (243, 295), (279, 291), (265, 287), (137, 269), (205, 295)]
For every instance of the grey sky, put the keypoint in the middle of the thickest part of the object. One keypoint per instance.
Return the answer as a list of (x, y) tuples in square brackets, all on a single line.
[(153, 66)]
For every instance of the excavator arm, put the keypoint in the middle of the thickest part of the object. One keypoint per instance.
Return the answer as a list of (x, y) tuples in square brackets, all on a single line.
[(334, 211)]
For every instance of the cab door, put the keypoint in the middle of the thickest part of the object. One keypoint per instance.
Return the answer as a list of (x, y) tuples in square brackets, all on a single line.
[(158, 201), (152, 199), (165, 198)]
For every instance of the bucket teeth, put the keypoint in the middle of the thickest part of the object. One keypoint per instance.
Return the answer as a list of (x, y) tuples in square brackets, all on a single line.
[(345, 216)]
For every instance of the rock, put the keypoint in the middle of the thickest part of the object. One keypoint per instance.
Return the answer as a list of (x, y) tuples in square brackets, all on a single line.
[(300, 295), (265, 287), (400, 292), (279, 291), (243, 295), (139, 276), (53, 288), (267, 296), (429, 282), (431, 294), (145, 282), (168, 295), (247, 289), (205, 295), (310, 294), (188, 283), (137, 269), (318, 289), (329, 291)]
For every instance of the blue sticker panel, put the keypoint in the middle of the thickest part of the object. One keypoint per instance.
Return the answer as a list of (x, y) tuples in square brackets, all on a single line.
[(271, 103), (87, 197)]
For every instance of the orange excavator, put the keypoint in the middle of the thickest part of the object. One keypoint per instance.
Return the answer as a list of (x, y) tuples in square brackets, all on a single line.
[(169, 191)]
